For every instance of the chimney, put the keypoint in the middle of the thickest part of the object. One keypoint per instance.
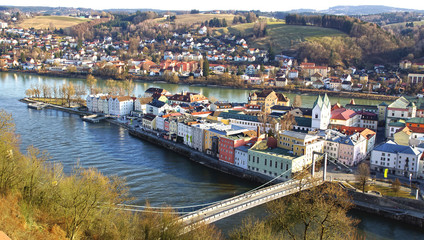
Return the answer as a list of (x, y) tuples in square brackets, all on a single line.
[(257, 132)]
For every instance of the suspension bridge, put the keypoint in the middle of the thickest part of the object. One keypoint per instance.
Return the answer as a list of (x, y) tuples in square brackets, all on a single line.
[(212, 212)]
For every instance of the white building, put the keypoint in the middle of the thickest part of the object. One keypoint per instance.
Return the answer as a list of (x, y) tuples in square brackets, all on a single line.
[(398, 159), (120, 105), (157, 108), (186, 132), (321, 113), (241, 156), (199, 135)]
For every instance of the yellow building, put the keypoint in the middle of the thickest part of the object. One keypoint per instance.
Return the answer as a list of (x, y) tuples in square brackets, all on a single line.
[(402, 136), (268, 99), (300, 143)]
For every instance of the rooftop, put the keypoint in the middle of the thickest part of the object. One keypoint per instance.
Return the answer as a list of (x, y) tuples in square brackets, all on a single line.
[(392, 147)]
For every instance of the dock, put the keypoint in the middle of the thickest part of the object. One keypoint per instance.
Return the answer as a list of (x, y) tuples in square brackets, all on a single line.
[(37, 106), (93, 118)]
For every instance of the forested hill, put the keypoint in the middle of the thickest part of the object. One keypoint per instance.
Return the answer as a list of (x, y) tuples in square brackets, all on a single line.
[(367, 42)]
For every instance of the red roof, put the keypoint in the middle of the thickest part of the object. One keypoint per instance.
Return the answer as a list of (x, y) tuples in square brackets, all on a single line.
[(342, 114)]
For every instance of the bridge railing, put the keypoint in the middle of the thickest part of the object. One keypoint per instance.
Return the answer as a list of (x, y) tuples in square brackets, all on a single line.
[(239, 197), (253, 203), (294, 187)]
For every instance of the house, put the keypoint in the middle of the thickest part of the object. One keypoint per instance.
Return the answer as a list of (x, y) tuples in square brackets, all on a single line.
[(400, 109), (405, 64), (241, 155), (368, 120), (149, 121), (345, 117), (352, 149), (140, 104), (157, 107), (268, 98), (203, 30), (412, 134), (318, 84), (398, 159)]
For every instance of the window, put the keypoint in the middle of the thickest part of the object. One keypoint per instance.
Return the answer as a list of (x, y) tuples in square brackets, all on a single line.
[(270, 163)]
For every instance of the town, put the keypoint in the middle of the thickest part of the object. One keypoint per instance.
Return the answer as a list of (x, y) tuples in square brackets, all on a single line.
[(194, 57), (269, 134)]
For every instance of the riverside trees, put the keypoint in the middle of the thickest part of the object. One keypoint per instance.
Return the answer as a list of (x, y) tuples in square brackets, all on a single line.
[(319, 213), (38, 201)]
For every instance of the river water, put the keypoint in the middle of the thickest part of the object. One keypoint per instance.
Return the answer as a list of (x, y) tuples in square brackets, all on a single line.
[(152, 173)]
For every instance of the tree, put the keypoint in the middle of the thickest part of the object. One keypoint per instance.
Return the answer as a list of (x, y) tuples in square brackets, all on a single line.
[(297, 101), (319, 213), (362, 175), (396, 186), (91, 82), (68, 91), (287, 122), (205, 67)]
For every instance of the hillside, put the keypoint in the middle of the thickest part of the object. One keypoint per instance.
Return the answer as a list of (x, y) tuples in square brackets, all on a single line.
[(280, 35), (189, 19), (363, 10), (44, 22)]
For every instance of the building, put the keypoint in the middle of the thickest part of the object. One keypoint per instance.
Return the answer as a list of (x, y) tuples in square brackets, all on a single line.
[(352, 149), (398, 159), (301, 144), (368, 120), (401, 109), (321, 113), (415, 78), (157, 107), (272, 161), (246, 121), (345, 117), (140, 104), (409, 136), (241, 155), (268, 99), (212, 135), (228, 144), (149, 121), (120, 105)]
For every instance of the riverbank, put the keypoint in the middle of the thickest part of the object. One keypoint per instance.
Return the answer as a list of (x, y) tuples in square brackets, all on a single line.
[(381, 206), (203, 83)]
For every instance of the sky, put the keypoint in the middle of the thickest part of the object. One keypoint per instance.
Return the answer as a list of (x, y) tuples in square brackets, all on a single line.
[(203, 5)]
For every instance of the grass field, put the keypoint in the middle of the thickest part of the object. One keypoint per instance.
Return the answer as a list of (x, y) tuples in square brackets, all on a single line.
[(384, 190), (44, 22), (394, 25), (282, 36), (199, 18)]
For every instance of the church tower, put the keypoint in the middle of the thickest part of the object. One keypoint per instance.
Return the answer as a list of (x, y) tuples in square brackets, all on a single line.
[(321, 113)]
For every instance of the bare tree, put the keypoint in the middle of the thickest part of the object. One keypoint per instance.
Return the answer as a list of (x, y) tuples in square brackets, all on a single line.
[(362, 175), (287, 122), (91, 82), (297, 101), (396, 186)]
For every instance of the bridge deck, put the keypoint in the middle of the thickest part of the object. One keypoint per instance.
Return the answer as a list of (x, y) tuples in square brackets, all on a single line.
[(245, 201)]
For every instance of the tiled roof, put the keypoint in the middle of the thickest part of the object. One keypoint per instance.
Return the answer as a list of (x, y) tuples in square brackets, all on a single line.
[(417, 120), (392, 147), (303, 121), (342, 114), (399, 103), (244, 117)]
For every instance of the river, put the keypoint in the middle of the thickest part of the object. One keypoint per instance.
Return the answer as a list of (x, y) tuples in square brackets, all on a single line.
[(152, 173)]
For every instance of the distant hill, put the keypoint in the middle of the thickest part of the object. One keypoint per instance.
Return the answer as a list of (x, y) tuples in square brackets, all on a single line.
[(363, 10)]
